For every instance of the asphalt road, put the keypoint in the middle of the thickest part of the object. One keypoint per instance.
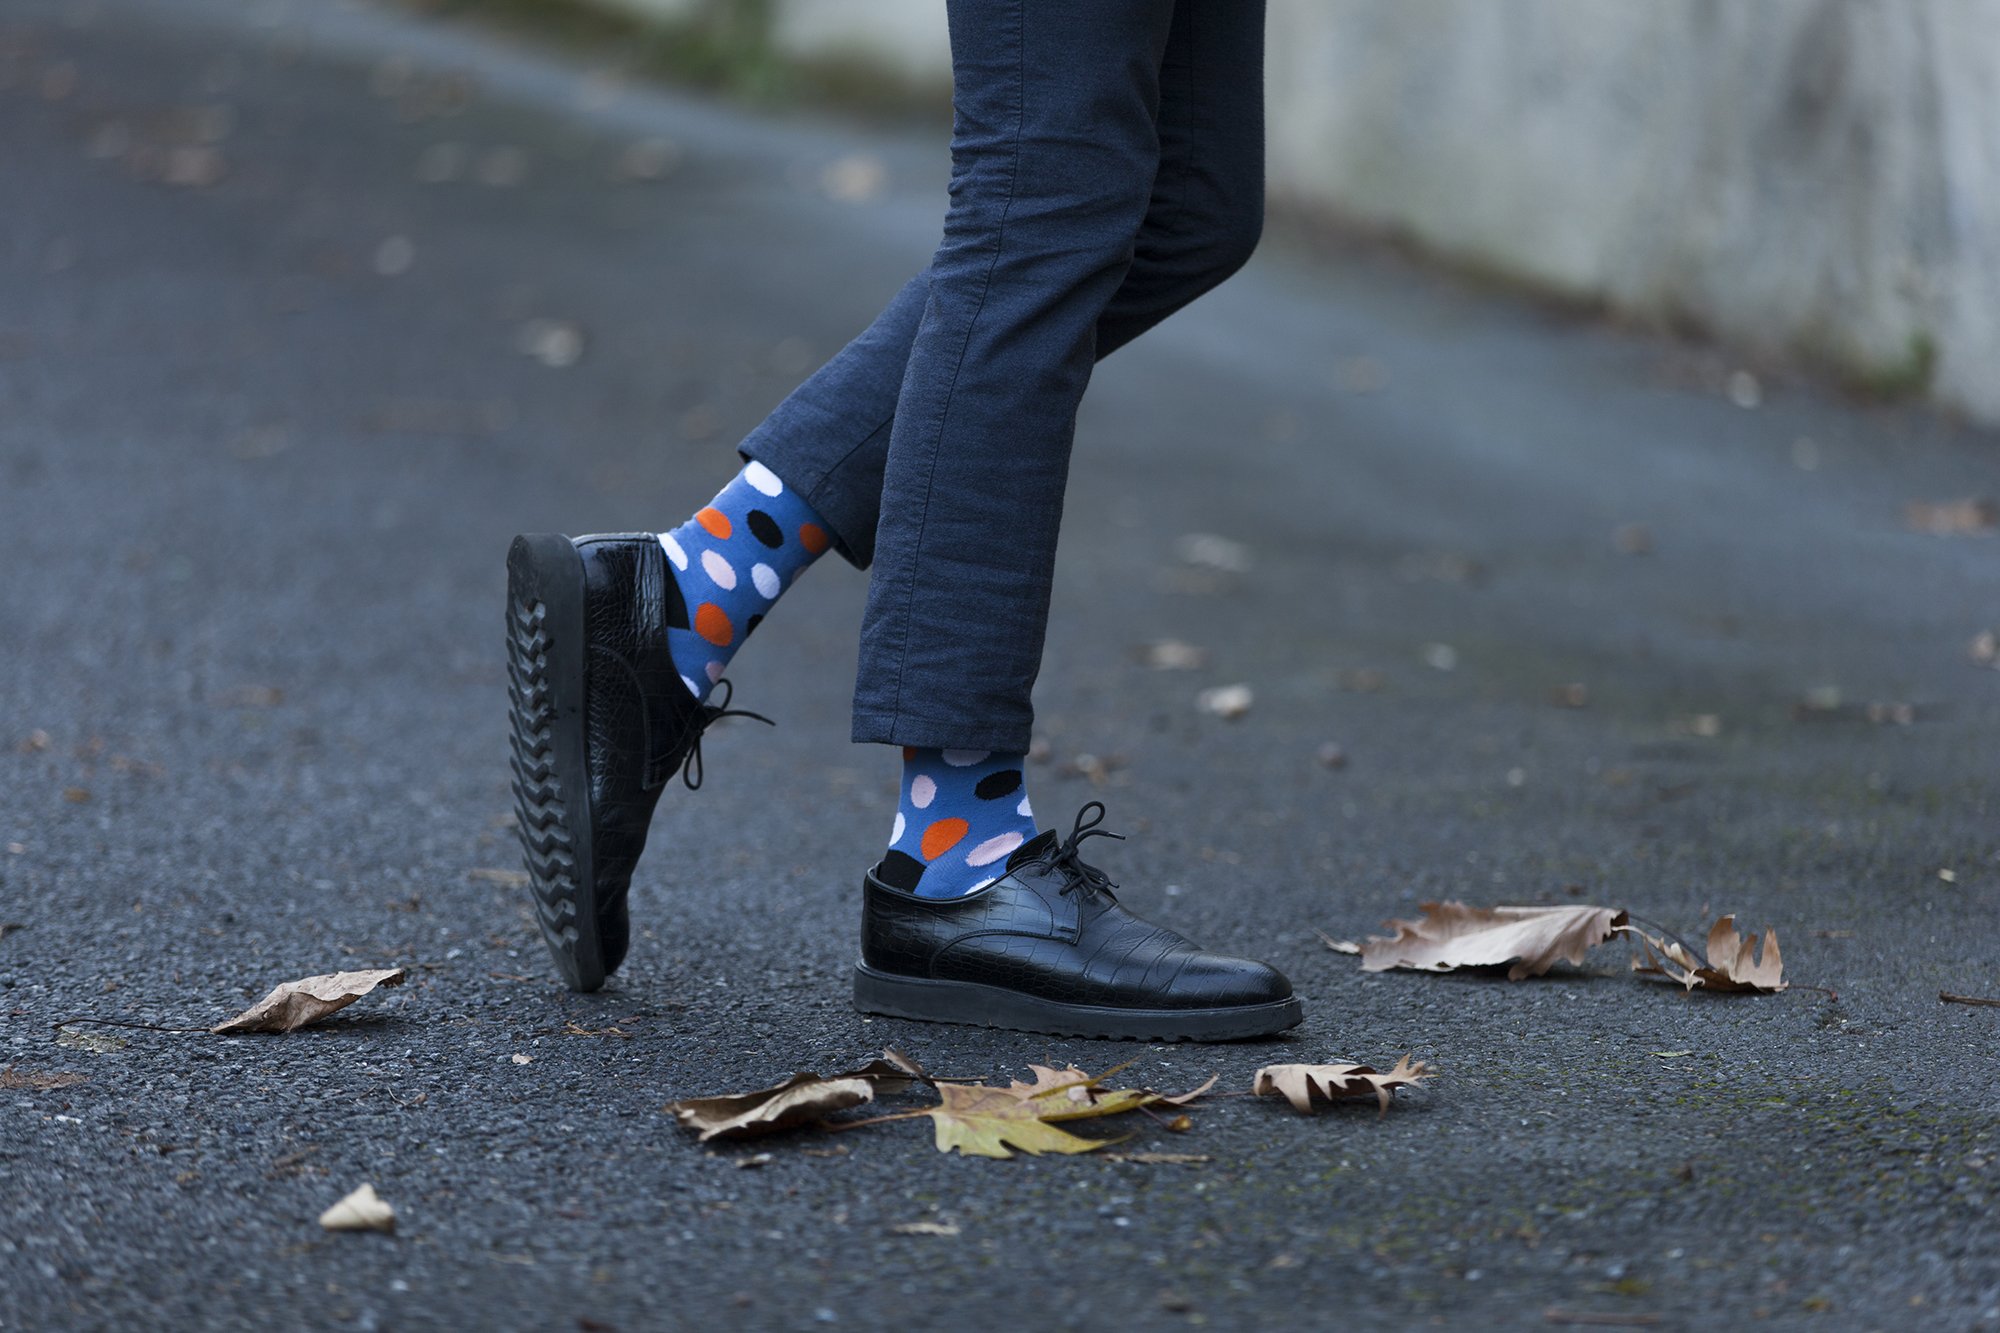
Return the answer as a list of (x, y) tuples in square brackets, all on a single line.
[(267, 274)]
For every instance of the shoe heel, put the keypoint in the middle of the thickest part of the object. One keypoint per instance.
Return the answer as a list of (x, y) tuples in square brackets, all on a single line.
[(545, 696)]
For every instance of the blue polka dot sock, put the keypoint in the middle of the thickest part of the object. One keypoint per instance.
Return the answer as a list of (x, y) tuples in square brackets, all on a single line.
[(732, 560), (960, 814)]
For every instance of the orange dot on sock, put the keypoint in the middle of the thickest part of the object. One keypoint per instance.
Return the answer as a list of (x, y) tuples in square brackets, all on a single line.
[(942, 836), (715, 521), (813, 537), (712, 624)]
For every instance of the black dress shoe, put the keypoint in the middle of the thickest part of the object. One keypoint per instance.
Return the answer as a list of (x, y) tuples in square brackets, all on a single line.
[(1046, 948), (600, 721)]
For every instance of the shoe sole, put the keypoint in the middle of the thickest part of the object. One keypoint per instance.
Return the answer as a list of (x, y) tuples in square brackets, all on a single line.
[(546, 721), (969, 1002)]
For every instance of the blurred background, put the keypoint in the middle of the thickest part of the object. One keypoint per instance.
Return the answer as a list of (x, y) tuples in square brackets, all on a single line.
[(1812, 177)]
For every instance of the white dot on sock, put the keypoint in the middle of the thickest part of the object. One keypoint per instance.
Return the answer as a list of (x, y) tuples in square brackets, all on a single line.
[(763, 479), (922, 791), (714, 672), (1023, 810), (718, 569), (766, 579), (896, 835), (693, 688), (964, 758), (986, 853), (673, 550)]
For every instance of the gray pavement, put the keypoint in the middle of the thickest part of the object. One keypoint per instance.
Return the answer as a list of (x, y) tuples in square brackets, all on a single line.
[(266, 425)]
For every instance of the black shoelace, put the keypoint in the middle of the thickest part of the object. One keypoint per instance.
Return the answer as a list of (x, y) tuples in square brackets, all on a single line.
[(710, 714), (1080, 876)]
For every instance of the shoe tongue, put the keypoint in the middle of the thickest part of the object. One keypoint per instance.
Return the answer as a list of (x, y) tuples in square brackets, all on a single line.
[(1031, 850)]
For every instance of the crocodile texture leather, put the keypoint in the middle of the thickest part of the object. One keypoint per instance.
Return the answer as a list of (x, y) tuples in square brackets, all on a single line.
[(1051, 928), (641, 722)]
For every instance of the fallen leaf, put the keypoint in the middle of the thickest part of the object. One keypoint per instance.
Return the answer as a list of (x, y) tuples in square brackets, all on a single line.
[(1300, 1084), (76, 795), (10, 1077), (924, 1229), (296, 1003), (362, 1210), (1205, 550), (801, 1099), (97, 1043), (553, 342), (1173, 655), (855, 178), (986, 1122), (1952, 518), (1451, 935), (1225, 701), (1733, 962), (1980, 1000), (513, 879), (1633, 539)]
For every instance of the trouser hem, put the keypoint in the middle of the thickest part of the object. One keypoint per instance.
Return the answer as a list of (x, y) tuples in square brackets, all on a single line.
[(893, 728)]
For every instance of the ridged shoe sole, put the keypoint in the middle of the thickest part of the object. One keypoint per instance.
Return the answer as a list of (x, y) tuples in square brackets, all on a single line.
[(970, 1002), (547, 721)]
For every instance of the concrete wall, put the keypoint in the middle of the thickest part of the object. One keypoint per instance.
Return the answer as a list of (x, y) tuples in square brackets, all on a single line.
[(1806, 176)]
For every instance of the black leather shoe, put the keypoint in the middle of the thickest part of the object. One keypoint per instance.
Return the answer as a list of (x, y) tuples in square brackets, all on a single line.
[(600, 720), (1047, 948)]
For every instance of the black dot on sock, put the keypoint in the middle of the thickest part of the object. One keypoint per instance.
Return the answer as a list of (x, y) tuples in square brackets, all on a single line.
[(765, 529), (751, 624), (900, 870), (995, 785)]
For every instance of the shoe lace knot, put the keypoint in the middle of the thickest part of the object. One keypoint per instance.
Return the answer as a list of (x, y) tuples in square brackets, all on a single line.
[(1079, 876), (710, 714)]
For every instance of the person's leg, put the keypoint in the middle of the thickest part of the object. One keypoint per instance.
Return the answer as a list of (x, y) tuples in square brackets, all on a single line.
[(829, 438), (1058, 105)]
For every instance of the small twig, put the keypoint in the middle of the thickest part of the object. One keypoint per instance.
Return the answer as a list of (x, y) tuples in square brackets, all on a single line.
[(1980, 1000), (835, 1126), (122, 1023)]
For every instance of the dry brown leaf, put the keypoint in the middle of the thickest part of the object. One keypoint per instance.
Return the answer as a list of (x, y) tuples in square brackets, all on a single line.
[(1733, 962), (801, 1099), (12, 1078), (1452, 935), (360, 1211), (297, 1003), (1299, 1084), (986, 1122), (1952, 518)]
